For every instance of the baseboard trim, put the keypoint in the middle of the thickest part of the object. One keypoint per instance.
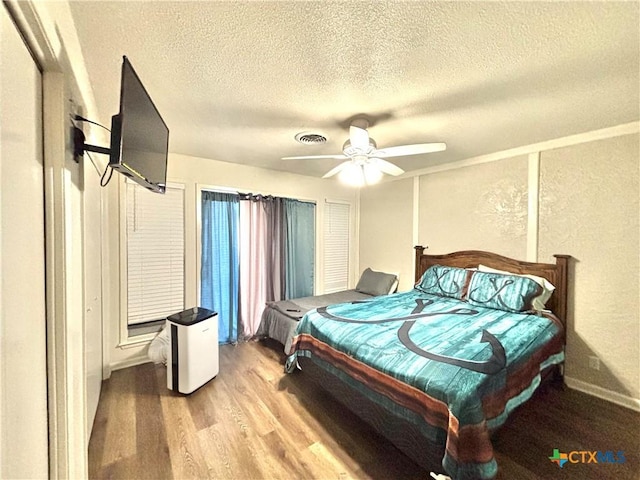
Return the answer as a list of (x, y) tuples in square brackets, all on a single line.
[(603, 393), (130, 362)]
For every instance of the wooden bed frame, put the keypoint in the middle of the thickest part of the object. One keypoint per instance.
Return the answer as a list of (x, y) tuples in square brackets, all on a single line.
[(556, 273), (403, 434)]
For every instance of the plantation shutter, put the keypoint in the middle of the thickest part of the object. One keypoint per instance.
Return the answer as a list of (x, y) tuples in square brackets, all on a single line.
[(336, 246), (155, 253)]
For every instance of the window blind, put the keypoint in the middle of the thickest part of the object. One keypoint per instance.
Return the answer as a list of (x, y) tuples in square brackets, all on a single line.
[(155, 253), (336, 246)]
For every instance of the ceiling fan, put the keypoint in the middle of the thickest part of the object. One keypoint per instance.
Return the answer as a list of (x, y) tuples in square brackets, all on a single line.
[(364, 164)]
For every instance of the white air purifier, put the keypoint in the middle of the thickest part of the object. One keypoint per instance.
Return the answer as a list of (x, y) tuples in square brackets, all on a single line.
[(192, 357)]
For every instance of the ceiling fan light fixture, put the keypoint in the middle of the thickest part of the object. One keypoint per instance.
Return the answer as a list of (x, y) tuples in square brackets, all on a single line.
[(360, 174), (352, 175), (372, 174), (364, 164)]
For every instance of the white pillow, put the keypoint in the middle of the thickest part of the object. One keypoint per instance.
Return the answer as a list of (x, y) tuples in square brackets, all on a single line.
[(538, 302)]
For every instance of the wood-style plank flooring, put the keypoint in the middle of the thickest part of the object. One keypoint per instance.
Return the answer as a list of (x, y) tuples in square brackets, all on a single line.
[(255, 422)]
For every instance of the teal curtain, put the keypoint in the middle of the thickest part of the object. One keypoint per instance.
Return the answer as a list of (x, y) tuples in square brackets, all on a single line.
[(299, 240), (220, 270)]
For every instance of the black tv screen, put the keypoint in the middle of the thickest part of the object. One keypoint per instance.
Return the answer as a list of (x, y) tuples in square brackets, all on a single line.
[(139, 135)]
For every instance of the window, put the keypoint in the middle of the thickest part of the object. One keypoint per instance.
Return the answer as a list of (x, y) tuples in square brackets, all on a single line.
[(155, 256), (336, 246)]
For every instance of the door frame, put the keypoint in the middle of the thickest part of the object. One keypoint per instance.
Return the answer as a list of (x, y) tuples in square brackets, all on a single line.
[(68, 440)]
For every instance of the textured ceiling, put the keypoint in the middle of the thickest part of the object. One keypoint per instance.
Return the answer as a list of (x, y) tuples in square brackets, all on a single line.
[(235, 81)]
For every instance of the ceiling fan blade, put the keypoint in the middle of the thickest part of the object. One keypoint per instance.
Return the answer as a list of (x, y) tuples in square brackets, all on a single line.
[(337, 169), (359, 137), (416, 149), (312, 157), (386, 167)]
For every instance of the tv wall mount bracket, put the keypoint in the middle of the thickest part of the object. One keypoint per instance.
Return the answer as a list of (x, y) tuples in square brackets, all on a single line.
[(79, 146)]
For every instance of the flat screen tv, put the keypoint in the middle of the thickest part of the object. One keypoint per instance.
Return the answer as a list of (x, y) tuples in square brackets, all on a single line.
[(139, 135)]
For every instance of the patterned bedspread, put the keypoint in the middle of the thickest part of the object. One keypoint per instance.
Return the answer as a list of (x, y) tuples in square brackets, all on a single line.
[(454, 370)]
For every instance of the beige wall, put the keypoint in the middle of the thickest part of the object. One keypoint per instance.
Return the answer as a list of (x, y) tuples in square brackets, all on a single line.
[(386, 230), (479, 207), (195, 173), (589, 209), (587, 190)]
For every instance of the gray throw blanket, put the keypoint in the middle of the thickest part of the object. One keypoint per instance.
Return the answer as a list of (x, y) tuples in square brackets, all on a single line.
[(297, 307), (289, 309)]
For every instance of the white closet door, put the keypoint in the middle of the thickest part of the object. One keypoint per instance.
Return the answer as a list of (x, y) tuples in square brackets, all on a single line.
[(23, 369)]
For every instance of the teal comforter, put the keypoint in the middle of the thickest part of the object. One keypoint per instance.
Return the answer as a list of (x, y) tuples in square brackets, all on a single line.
[(455, 370)]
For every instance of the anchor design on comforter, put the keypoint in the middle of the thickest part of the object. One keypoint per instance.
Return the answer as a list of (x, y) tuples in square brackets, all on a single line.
[(494, 364)]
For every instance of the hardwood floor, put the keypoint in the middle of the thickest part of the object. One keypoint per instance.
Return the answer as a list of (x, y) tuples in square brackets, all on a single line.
[(255, 422)]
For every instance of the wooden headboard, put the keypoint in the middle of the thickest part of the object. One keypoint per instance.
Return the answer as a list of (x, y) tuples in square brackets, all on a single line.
[(556, 273)]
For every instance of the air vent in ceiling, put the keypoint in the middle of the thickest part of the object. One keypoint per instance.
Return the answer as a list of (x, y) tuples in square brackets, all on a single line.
[(310, 138)]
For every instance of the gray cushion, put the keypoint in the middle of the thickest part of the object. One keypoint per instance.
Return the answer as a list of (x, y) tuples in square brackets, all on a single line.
[(375, 283)]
